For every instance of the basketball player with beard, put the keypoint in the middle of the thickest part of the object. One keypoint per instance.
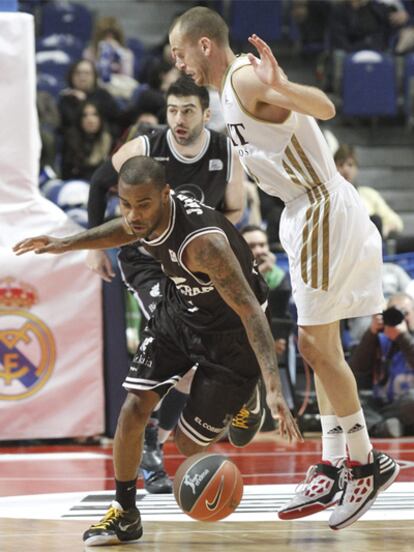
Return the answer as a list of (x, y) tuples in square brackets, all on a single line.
[(200, 163), (212, 314)]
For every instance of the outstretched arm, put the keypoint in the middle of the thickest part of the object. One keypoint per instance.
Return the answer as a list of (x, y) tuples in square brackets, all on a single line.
[(110, 234), (266, 82), (212, 255)]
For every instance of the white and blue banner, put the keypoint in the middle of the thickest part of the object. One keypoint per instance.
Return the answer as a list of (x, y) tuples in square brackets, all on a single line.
[(51, 367)]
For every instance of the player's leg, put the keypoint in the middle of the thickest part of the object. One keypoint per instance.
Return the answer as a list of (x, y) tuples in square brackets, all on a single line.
[(212, 403), (369, 472), (122, 522), (151, 375)]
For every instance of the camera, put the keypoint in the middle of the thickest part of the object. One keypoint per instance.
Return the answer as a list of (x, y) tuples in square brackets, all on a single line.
[(392, 316)]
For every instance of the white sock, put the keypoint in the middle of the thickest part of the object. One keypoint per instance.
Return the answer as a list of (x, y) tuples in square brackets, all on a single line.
[(356, 435), (333, 440)]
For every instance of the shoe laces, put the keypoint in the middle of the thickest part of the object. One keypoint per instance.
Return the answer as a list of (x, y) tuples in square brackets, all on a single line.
[(312, 473), (111, 515), (240, 420)]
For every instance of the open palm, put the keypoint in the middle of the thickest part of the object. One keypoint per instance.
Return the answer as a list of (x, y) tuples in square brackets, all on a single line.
[(267, 68)]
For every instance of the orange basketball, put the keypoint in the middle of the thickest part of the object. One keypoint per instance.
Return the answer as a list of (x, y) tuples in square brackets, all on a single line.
[(208, 487)]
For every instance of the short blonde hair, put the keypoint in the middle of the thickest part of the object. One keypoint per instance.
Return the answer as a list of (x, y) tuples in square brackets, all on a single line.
[(199, 21)]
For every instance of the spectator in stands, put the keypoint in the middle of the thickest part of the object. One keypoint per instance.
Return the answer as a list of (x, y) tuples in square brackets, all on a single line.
[(360, 25), (385, 357), (49, 123), (402, 21), (394, 280), (387, 221), (312, 18), (108, 45), (82, 86), (275, 277), (86, 144), (150, 96)]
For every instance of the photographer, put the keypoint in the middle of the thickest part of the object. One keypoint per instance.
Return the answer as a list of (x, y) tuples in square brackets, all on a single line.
[(385, 357)]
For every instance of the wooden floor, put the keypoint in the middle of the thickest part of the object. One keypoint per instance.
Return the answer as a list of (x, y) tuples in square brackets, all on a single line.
[(64, 536), (36, 481)]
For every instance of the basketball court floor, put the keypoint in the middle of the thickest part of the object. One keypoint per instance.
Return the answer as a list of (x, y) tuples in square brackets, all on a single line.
[(50, 494)]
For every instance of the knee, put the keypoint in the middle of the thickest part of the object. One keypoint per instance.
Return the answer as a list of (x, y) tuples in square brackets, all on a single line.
[(133, 413), (318, 355), (186, 446)]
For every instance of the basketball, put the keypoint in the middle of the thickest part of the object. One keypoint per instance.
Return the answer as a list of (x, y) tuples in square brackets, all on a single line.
[(208, 487)]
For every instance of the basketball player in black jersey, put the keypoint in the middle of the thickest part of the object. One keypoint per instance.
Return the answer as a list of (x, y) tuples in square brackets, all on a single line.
[(201, 164), (212, 314)]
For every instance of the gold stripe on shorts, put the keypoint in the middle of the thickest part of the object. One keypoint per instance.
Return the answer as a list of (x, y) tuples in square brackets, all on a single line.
[(319, 202)]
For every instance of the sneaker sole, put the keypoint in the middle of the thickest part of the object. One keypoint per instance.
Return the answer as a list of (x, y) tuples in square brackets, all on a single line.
[(352, 519), (102, 540), (307, 510)]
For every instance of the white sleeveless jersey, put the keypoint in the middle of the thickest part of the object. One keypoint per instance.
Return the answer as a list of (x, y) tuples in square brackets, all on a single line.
[(286, 160), (335, 273)]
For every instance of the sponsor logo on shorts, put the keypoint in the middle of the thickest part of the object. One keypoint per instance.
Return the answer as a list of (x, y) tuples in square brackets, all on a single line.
[(207, 426)]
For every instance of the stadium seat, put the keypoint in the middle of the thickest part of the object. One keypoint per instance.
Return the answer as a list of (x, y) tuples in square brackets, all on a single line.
[(53, 62), (369, 86), (139, 54), (66, 18), (263, 17), (71, 45), (409, 88)]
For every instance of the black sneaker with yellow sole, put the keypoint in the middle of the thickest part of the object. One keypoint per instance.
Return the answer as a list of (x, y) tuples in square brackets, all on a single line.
[(117, 527), (248, 421)]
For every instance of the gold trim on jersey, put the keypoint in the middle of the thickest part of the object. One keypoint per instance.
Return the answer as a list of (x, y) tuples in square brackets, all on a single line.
[(319, 200)]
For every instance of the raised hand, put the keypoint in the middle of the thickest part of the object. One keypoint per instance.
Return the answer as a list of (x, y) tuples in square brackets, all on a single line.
[(40, 244), (267, 68)]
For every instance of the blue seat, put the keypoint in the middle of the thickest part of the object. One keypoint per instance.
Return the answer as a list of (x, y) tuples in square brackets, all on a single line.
[(409, 86), (263, 17), (53, 62), (138, 48), (70, 44), (369, 86), (66, 18)]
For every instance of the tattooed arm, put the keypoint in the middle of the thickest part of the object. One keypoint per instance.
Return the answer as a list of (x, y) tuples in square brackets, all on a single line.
[(212, 255), (110, 234)]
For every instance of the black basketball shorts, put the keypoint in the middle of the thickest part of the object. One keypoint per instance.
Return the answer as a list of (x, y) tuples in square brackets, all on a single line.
[(227, 372)]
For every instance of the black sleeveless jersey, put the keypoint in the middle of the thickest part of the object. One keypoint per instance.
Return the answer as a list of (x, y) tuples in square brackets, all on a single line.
[(203, 177), (194, 298)]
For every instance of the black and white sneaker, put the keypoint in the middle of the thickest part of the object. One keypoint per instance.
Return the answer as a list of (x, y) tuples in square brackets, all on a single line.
[(117, 527), (365, 482), (248, 421), (322, 487)]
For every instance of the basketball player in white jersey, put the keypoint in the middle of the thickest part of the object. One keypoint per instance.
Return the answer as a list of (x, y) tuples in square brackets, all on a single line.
[(334, 250)]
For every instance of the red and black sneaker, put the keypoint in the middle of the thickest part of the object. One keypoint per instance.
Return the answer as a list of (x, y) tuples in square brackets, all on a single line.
[(322, 487), (365, 482)]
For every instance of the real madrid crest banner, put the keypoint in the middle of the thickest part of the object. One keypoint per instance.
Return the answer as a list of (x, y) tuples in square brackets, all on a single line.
[(51, 376)]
